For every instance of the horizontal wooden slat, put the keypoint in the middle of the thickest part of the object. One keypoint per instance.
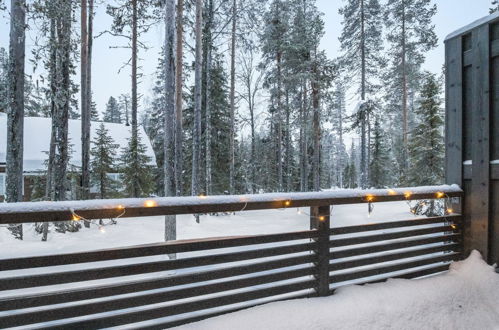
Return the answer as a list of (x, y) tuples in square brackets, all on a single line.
[(395, 224), (63, 211), (198, 305), (143, 285), (56, 313), (21, 282), (178, 322), (394, 246), (151, 250), (406, 275), (370, 260), (336, 278), (389, 236)]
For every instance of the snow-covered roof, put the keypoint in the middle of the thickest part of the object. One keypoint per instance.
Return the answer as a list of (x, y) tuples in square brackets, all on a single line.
[(37, 132), (475, 24)]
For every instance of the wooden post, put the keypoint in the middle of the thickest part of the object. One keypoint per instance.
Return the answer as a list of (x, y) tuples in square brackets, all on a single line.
[(320, 220)]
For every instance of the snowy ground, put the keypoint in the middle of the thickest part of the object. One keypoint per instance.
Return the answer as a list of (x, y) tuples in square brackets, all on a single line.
[(131, 231), (464, 298)]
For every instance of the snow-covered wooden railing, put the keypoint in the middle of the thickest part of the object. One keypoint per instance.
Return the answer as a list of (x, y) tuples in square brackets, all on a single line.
[(95, 289), (141, 207)]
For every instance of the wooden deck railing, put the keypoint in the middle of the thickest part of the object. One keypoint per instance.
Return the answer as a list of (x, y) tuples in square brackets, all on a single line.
[(223, 274)]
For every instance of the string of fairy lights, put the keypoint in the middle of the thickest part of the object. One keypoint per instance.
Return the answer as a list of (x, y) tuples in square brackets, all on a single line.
[(286, 204)]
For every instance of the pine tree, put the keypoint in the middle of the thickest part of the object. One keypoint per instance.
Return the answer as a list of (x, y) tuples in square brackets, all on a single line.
[(102, 163), (495, 6), (411, 34), (380, 164), (361, 44), (135, 168), (426, 147), (112, 114)]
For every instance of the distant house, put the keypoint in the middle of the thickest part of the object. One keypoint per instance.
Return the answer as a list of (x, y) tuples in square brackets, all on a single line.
[(37, 132)]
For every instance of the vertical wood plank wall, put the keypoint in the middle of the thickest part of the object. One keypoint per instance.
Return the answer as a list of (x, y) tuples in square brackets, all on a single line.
[(472, 132)]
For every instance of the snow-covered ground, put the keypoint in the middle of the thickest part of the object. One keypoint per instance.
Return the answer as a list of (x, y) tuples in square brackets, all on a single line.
[(135, 231), (464, 298)]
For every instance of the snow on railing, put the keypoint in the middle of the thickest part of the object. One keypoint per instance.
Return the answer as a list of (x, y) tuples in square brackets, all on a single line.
[(135, 207)]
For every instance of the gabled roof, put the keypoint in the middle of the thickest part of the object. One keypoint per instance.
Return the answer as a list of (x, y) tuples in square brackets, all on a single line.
[(37, 132)]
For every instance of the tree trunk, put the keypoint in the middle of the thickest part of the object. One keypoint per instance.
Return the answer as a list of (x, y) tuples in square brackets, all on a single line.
[(135, 188), (288, 145), (178, 98), (169, 117), (304, 139), (316, 128), (405, 127), (279, 122), (363, 146), (207, 93), (196, 143), (232, 96), (85, 109), (208, 176), (89, 86), (15, 122)]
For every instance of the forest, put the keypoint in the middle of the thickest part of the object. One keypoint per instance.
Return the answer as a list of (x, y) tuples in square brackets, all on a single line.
[(245, 100)]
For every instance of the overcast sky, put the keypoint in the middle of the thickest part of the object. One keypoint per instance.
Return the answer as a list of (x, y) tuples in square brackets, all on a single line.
[(452, 14)]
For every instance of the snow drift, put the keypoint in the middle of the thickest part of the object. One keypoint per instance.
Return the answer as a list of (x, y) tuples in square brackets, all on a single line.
[(466, 297)]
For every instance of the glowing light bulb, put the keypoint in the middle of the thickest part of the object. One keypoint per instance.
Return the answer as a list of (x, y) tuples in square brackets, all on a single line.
[(370, 198), (287, 203), (120, 207), (391, 192), (453, 226), (440, 194), (150, 203), (407, 194), (450, 211), (202, 196), (75, 218), (322, 218)]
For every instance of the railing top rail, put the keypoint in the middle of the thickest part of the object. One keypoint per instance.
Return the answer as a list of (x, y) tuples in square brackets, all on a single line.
[(140, 207)]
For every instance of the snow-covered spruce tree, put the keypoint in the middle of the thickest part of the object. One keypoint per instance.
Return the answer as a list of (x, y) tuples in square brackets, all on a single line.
[(125, 104), (102, 163), (15, 112), (362, 61), (113, 113), (410, 34), (495, 6), (426, 143), (135, 169), (380, 164), (94, 114)]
